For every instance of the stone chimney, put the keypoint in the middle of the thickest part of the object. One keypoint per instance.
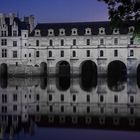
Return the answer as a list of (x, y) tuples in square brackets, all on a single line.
[(2, 18), (11, 16)]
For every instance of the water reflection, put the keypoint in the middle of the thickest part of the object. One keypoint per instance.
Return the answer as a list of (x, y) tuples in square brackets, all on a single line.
[(30, 103)]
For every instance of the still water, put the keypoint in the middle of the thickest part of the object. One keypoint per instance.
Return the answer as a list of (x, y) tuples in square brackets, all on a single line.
[(70, 108)]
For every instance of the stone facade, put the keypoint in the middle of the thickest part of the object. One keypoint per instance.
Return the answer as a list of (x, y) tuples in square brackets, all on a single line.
[(29, 50)]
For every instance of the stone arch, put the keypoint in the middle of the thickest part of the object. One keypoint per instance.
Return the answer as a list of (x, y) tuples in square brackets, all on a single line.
[(138, 75), (63, 68), (3, 70), (117, 68), (43, 68), (117, 75), (88, 72)]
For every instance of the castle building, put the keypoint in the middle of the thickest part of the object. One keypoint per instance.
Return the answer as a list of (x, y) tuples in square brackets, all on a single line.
[(48, 48)]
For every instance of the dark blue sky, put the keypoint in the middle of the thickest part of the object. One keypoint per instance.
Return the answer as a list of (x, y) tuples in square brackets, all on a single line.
[(57, 10)]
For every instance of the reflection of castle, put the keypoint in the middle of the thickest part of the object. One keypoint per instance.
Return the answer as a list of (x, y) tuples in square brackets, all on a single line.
[(30, 50), (45, 101)]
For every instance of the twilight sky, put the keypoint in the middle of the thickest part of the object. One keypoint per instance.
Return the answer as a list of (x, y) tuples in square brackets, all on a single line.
[(57, 10)]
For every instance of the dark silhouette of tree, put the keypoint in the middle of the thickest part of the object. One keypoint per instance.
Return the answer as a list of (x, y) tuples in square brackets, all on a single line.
[(123, 12)]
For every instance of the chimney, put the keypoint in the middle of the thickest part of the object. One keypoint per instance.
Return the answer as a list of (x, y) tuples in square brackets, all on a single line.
[(12, 16), (2, 18), (31, 22)]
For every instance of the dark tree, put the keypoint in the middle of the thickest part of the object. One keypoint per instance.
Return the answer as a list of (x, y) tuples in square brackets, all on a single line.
[(124, 12)]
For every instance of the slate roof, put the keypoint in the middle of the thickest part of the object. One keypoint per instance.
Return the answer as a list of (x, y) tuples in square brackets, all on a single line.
[(21, 25), (81, 26)]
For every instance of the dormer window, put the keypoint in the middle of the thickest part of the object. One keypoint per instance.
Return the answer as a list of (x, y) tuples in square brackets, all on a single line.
[(50, 32), (14, 33), (131, 29), (74, 31), (37, 32), (61, 32), (87, 31), (116, 31), (102, 31)]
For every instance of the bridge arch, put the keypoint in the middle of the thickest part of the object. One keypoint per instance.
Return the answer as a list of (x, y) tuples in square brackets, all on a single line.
[(43, 68), (117, 69), (88, 72), (63, 68)]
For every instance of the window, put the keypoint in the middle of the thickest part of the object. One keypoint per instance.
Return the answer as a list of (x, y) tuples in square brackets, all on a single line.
[(115, 53), (101, 53), (16, 63), (131, 52), (62, 53), (115, 41), (3, 42), (37, 108), (37, 53), (51, 108), (74, 42), (101, 98), (61, 31), (101, 30), (14, 33), (4, 52), (74, 109), (51, 43), (62, 97), (3, 33), (74, 53), (50, 53), (50, 32), (62, 42), (88, 53), (88, 41), (88, 109), (14, 107), (88, 98), (14, 97), (50, 97), (88, 31), (37, 42), (4, 98), (131, 99), (131, 40), (115, 98), (14, 43), (4, 109), (101, 41), (29, 54), (74, 98), (74, 31), (37, 97), (14, 54), (62, 108)]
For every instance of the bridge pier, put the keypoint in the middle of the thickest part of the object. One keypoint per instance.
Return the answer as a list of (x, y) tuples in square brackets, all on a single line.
[(131, 67), (102, 67)]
